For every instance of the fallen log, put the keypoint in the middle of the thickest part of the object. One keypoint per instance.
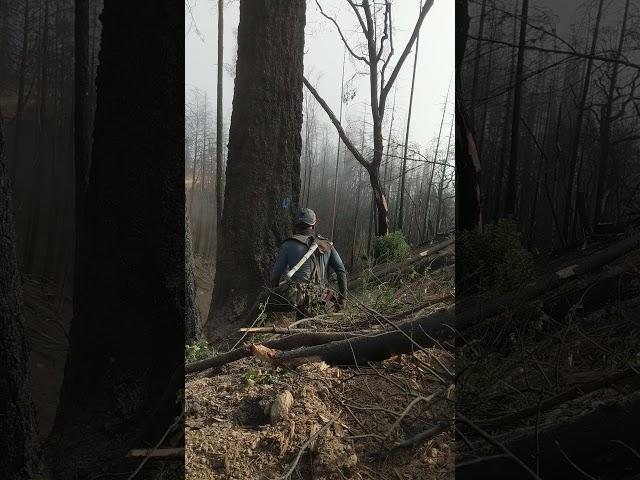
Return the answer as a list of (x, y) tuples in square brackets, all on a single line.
[(409, 336), (471, 310), (291, 341), (380, 271), (596, 289)]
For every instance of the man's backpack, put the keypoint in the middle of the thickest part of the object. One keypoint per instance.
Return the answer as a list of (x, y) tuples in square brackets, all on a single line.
[(318, 274)]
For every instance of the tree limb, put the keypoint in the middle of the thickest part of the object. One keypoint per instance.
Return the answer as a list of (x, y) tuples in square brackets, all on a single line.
[(344, 40), (394, 74), (343, 135)]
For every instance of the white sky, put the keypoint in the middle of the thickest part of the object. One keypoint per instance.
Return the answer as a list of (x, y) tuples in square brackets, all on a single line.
[(323, 60)]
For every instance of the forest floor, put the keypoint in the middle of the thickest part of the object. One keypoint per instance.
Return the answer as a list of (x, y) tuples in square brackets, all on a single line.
[(564, 366), (343, 422)]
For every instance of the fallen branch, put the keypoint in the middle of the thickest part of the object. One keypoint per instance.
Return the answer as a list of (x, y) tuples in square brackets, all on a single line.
[(472, 310), (277, 330), (422, 436), (304, 446), (427, 303), (406, 338), (497, 444), (571, 394), (420, 261)]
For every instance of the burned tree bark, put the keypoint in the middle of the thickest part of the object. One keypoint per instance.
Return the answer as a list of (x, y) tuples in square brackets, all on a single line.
[(219, 134), (126, 339), (512, 178), (468, 198), (19, 450), (263, 169), (192, 326)]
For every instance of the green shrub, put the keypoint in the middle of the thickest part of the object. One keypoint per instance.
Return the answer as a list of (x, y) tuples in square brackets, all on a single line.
[(198, 350), (493, 259), (392, 247)]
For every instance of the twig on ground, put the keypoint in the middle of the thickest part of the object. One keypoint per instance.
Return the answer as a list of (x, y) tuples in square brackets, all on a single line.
[(303, 447), (497, 444)]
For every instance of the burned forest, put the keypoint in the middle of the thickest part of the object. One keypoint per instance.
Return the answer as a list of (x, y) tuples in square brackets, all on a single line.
[(282, 386), (548, 165), (93, 281), (319, 239)]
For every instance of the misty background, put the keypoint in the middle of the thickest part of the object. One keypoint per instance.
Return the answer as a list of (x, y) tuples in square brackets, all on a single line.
[(432, 115)]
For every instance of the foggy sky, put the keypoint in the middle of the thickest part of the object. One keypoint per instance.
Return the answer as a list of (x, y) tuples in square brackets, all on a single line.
[(323, 61)]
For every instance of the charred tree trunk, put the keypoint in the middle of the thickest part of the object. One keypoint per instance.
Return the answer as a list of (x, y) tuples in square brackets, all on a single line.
[(263, 170), (192, 327), (578, 133), (468, 199), (19, 450), (512, 178), (82, 140), (119, 389), (21, 81), (498, 203), (605, 125), (219, 134)]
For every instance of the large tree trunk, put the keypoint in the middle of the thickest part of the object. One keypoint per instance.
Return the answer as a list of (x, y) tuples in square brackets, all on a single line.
[(19, 452), (126, 340), (263, 169)]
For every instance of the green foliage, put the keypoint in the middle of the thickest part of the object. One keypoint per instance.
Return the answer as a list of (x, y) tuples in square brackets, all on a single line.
[(383, 298), (392, 247), (253, 376), (198, 350), (493, 259)]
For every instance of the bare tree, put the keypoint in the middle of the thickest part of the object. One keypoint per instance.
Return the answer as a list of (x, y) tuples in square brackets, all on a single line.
[(406, 136), (377, 58)]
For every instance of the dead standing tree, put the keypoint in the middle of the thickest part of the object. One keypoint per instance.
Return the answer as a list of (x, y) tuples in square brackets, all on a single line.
[(379, 51)]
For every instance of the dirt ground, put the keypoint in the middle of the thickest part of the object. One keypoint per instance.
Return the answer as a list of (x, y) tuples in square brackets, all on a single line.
[(354, 422)]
